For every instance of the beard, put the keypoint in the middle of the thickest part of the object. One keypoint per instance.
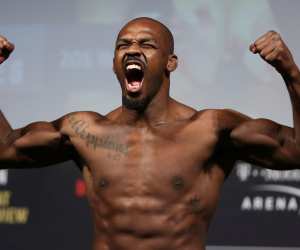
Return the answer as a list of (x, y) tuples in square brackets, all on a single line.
[(134, 103)]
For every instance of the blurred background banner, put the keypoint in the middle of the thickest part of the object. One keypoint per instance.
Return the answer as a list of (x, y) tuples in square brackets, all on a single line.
[(63, 63)]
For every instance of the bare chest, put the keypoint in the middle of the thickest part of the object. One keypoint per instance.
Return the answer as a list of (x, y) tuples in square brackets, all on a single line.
[(134, 162)]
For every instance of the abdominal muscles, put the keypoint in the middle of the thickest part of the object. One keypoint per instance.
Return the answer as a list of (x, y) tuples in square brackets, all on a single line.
[(148, 223)]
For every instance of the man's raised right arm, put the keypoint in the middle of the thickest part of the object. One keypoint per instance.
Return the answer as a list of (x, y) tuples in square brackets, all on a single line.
[(35, 145)]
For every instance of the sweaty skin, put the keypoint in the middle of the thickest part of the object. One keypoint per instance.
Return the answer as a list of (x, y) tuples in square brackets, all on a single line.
[(154, 167)]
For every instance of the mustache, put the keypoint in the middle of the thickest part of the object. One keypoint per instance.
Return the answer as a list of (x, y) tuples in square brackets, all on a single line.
[(139, 59)]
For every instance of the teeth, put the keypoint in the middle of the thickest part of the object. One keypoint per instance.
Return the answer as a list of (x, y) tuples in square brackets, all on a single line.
[(133, 66)]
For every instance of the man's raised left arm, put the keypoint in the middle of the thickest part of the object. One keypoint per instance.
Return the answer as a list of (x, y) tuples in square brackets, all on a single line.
[(262, 141)]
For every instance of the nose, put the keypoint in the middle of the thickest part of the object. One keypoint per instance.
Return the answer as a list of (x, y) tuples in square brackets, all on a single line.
[(134, 49)]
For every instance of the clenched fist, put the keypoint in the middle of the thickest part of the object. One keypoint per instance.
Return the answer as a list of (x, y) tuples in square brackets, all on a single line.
[(5, 49), (273, 50)]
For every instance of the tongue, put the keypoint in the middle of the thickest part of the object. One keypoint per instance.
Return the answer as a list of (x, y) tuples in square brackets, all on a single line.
[(133, 86)]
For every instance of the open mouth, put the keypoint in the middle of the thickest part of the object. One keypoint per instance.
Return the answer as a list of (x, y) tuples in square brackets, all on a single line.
[(134, 74)]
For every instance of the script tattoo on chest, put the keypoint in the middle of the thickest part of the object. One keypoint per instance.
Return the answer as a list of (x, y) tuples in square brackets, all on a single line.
[(91, 140)]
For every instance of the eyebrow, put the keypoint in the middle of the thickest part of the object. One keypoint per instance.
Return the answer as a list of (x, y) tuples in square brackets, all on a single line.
[(143, 39)]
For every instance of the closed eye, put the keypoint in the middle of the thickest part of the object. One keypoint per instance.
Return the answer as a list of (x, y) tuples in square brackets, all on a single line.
[(148, 45), (122, 46)]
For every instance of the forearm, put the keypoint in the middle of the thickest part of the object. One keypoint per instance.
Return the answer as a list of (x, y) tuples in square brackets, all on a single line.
[(5, 128), (9, 156), (292, 80), (7, 136)]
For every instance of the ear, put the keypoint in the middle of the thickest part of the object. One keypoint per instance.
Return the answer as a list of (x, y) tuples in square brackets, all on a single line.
[(172, 63), (113, 66)]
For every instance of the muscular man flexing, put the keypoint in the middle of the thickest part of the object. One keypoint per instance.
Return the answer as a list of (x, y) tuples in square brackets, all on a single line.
[(154, 167)]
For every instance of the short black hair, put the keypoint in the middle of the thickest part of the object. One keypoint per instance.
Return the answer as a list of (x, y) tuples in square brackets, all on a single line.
[(164, 27)]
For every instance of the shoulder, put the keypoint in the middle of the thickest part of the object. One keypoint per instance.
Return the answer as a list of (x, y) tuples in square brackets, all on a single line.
[(90, 116), (230, 116), (114, 114), (74, 119), (222, 119)]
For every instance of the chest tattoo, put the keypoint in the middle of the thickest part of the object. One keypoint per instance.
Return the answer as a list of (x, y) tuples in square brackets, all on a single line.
[(91, 140)]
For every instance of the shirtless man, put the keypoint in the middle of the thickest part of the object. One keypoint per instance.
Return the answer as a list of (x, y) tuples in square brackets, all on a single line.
[(154, 167)]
